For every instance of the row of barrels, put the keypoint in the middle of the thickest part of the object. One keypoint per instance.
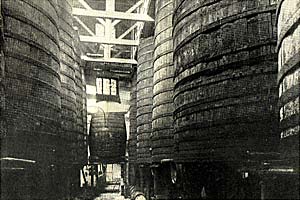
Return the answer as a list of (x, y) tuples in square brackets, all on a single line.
[(132, 141), (42, 114), (144, 100), (72, 88), (288, 20), (81, 108), (32, 80), (155, 71), (2, 75), (225, 101), (163, 74), (32, 96), (217, 90), (225, 93)]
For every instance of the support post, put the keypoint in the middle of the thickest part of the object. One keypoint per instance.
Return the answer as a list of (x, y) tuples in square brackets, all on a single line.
[(110, 7)]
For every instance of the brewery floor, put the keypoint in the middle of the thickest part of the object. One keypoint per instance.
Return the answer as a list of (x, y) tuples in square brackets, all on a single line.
[(111, 196)]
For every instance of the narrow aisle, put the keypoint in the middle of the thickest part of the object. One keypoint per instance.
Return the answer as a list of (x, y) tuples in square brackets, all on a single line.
[(111, 196)]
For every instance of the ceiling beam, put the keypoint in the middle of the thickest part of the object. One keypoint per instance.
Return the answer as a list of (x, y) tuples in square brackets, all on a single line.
[(130, 10), (86, 6), (112, 15), (111, 41), (94, 54), (144, 10), (128, 31), (109, 67), (110, 60), (84, 26)]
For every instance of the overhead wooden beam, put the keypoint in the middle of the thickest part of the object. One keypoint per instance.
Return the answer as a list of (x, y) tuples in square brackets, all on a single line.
[(87, 6), (111, 41), (130, 10), (128, 31), (110, 60), (144, 10), (109, 67), (84, 4), (84, 26), (94, 54), (112, 15), (110, 6), (119, 76)]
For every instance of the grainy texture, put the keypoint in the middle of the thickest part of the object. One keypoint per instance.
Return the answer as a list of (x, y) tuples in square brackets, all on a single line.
[(225, 80), (84, 115), (32, 82), (108, 146), (80, 145), (133, 135), (32, 103), (288, 77), (162, 116), (3, 125), (132, 141), (144, 100), (67, 74)]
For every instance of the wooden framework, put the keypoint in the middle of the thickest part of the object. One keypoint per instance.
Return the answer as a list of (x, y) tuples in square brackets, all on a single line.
[(111, 15), (109, 60), (109, 19)]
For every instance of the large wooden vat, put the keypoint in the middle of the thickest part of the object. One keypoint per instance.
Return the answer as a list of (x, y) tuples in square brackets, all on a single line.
[(144, 100), (288, 77), (133, 126), (108, 137), (132, 141), (225, 79), (80, 144), (2, 75), (32, 83), (162, 116), (32, 104), (68, 82), (84, 112), (84, 103)]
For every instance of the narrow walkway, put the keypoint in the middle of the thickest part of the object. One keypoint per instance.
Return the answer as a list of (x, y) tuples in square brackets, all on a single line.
[(112, 192), (111, 196)]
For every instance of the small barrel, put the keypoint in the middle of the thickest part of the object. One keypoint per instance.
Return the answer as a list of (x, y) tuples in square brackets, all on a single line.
[(144, 99), (108, 137), (32, 82), (162, 116), (67, 75), (225, 92), (288, 77), (132, 142)]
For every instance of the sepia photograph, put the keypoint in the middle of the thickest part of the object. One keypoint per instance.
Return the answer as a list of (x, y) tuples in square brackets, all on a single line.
[(149, 99)]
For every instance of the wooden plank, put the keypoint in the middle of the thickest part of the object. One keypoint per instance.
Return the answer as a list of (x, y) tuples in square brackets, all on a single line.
[(84, 26), (112, 15), (130, 10), (111, 41), (128, 31), (122, 68), (110, 60)]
